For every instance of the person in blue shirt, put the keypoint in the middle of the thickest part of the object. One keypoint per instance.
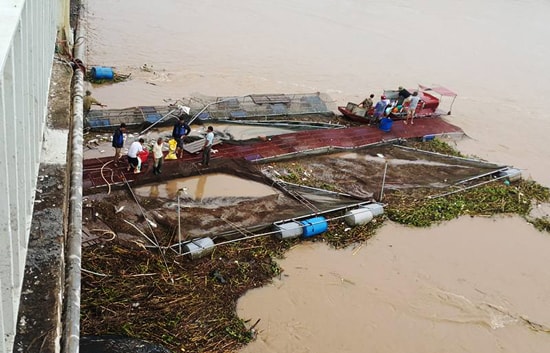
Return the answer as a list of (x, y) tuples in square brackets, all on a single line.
[(380, 107), (181, 129), (118, 142)]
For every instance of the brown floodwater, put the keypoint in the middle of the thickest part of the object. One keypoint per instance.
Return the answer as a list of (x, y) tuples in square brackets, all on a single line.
[(471, 285), (445, 289)]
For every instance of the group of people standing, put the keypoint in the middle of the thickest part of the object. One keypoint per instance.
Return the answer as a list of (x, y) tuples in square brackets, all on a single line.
[(405, 100), (138, 153)]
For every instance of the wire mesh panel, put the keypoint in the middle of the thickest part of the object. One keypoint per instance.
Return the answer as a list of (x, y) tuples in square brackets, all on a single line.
[(255, 106)]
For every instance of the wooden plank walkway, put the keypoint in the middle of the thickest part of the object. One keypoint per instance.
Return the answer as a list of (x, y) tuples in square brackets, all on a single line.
[(280, 146)]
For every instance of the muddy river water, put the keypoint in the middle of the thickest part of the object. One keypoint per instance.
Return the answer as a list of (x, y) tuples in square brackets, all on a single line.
[(470, 285)]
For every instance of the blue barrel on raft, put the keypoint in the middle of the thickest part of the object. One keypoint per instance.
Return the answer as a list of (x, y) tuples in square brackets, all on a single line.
[(314, 226), (385, 124), (102, 73)]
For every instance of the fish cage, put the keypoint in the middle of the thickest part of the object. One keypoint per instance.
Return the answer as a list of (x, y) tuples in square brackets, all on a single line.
[(133, 117), (249, 107), (257, 106)]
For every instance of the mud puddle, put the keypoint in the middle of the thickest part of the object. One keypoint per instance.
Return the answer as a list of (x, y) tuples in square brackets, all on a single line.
[(207, 186)]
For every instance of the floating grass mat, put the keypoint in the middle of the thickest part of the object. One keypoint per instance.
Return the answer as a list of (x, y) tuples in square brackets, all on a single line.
[(340, 236), (188, 307), (542, 224), (435, 146), (191, 305), (417, 210)]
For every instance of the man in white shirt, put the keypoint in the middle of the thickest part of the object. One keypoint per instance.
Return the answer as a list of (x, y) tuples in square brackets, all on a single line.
[(208, 142), (413, 100), (158, 155), (135, 148)]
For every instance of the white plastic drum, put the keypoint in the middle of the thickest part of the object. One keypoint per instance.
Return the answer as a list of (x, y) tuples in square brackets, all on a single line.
[(376, 209), (198, 248), (358, 216), (512, 174), (289, 230)]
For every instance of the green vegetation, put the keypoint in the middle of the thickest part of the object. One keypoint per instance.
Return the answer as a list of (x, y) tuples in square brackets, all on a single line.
[(339, 235), (436, 145), (187, 307), (542, 224), (489, 199)]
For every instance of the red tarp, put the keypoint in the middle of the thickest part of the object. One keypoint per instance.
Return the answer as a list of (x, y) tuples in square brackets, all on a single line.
[(438, 89)]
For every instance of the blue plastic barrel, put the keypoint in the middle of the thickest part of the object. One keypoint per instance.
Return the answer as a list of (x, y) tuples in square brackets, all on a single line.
[(428, 138), (385, 124), (314, 226), (102, 73)]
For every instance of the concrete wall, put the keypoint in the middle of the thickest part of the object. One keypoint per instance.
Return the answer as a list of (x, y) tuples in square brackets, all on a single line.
[(28, 31)]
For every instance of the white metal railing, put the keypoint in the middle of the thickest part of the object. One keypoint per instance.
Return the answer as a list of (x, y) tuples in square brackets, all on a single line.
[(28, 31)]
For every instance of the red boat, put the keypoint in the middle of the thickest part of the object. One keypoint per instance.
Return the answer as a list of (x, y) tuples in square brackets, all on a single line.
[(431, 98)]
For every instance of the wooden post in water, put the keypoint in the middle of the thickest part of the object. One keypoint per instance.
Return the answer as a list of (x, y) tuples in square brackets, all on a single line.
[(380, 155)]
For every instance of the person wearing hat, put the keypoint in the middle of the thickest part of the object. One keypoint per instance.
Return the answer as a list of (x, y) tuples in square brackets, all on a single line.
[(89, 101), (380, 107), (180, 130)]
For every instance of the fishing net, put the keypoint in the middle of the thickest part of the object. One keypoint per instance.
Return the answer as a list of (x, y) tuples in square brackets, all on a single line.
[(250, 107)]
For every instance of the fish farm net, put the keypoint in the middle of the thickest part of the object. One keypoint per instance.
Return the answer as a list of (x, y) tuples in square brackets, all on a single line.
[(249, 107)]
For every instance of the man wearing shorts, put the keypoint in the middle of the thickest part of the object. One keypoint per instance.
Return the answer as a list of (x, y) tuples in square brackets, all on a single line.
[(413, 100)]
